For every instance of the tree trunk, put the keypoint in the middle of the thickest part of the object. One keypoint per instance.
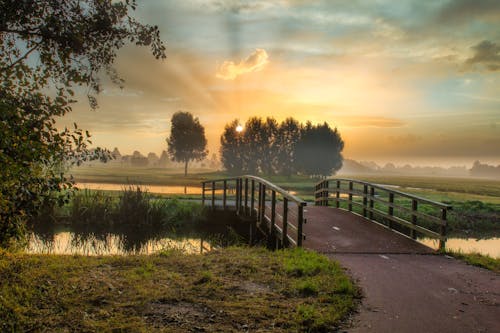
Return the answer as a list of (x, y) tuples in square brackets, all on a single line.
[(186, 168)]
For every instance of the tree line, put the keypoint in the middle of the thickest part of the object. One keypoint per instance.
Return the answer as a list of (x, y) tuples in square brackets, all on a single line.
[(264, 146)]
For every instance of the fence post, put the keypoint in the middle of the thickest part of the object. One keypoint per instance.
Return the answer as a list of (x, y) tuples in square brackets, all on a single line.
[(259, 202), (442, 242), (337, 195), (240, 197), (224, 195), (203, 194), (350, 196), (372, 195), (252, 198), (414, 207), (325, 193), (365, 199), (284, 236), (263, 206), (300, 221), (246, 196), (213, 195), (236, 195), (273, 217), (391, 208)]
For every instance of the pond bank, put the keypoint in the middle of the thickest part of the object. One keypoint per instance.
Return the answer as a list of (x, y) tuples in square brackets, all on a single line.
[(229, 290)]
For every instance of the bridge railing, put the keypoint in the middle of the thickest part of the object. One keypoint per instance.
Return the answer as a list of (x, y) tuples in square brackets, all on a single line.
[(261, 200), (403, 212)]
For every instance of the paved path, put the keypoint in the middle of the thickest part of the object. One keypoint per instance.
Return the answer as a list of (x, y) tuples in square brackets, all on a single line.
[(406, 287)]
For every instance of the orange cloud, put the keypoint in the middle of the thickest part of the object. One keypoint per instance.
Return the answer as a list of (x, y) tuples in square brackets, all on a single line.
[(253, 63)]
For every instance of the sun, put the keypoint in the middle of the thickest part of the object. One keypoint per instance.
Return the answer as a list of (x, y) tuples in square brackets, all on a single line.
[(239, 128)]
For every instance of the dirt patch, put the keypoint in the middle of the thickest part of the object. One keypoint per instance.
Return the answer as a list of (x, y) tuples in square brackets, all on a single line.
[(254, 288), (179, 314)]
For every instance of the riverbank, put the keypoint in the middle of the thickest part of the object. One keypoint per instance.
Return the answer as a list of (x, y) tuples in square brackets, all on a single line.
[(229, 290)]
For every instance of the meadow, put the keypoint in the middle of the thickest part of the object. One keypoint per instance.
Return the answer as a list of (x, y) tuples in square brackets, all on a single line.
[(475, 201)]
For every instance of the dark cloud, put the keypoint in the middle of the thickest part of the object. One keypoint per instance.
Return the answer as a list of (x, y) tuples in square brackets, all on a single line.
[(486, 54), (462, 11)]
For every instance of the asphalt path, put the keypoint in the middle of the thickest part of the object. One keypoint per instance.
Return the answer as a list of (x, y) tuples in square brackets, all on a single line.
[(406, 286)]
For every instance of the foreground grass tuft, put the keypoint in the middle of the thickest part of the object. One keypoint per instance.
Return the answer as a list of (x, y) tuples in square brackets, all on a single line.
[(230, 290), (477, 259)]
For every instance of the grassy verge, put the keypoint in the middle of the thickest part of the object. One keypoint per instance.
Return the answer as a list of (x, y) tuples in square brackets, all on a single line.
[(477, 259), (230, 290)]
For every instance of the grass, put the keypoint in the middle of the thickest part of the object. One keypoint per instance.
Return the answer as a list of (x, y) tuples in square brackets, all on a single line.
[(230, 290), (132, 206), (477, 259)]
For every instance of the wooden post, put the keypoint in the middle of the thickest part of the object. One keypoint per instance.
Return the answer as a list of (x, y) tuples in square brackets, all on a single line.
[(236, 196), (252, 198), (284, 236), (325, 193), (350, 196), (299, 224), (414, 207), (316, 195), (259, 202), (224, 195), (213, 195), (263, 207), (273, 216), (391, 208), (442, 242), (337, 195), (240, 196), (372, 195), (246, 196), (365, 199), (203, 194)]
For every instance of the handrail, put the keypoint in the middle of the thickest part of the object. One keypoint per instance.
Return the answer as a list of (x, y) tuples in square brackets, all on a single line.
[(250, 200), (369, 197), (282, 191), (381, 187)]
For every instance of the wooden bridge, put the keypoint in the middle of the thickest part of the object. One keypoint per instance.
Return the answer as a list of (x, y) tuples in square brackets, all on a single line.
[(349, 216)]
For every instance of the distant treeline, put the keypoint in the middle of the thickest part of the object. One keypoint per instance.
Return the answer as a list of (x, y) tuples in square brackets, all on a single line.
[(485, 170), (365, 167)]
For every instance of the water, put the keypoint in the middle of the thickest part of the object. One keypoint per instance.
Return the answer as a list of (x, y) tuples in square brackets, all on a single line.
[(490, 246), (160, 189), (92, 240)]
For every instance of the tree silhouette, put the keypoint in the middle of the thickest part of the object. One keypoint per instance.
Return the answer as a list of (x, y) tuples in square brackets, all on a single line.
[(287, 138), (318, 152), (231, 148), (187, 140)]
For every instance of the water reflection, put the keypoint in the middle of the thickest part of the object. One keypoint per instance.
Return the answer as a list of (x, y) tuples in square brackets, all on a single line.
[(85, 240), (150, 188), (68, 242), (490, 246)]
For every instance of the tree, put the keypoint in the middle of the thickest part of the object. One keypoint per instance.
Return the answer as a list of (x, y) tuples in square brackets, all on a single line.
[(318, 151), (287, 138), (187, 140), (231, 145), (47, 48)]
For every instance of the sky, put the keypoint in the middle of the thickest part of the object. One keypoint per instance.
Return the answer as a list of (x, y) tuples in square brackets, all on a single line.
[(406, 81)]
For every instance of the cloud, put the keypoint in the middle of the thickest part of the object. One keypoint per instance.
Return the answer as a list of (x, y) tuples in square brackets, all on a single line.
[(487, 54), (465, 11), (255, 62)]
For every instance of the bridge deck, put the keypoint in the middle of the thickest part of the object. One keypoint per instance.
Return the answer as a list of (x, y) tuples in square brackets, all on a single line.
[(335, 230)]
